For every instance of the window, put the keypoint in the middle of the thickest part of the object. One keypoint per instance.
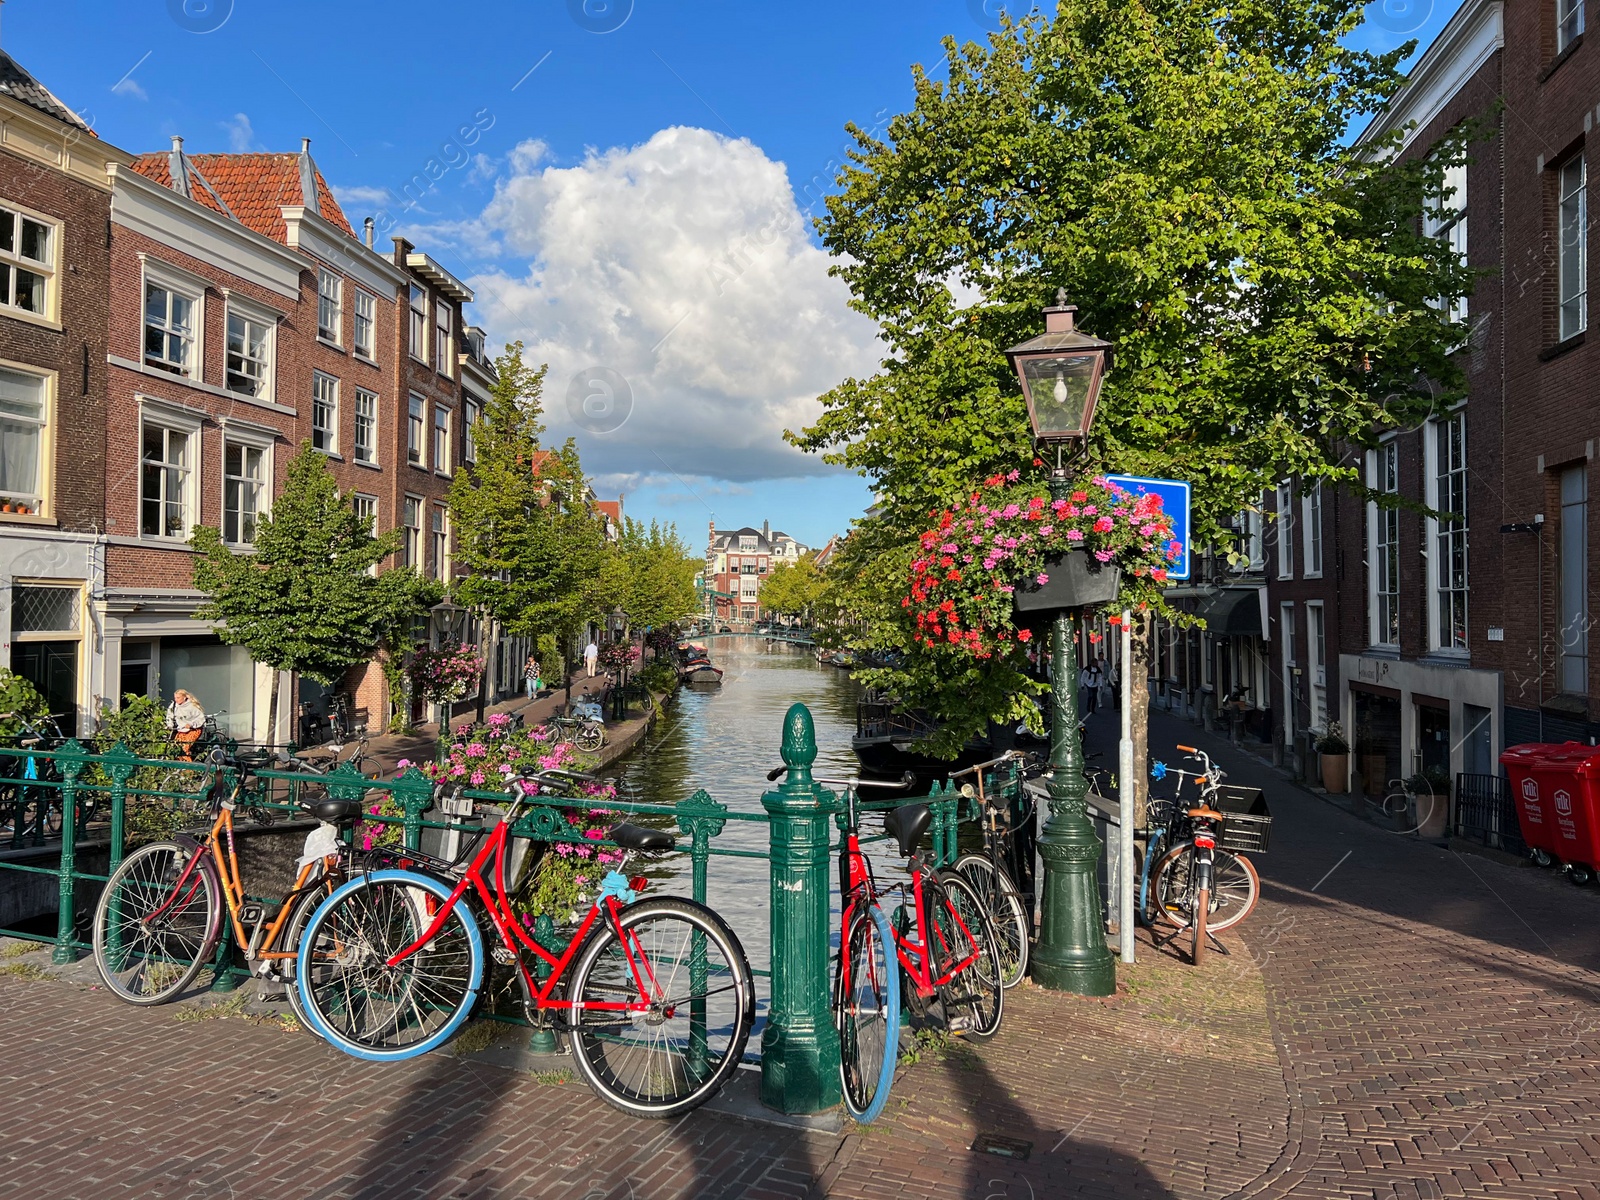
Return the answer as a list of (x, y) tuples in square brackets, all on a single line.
[(747, 544), (1317, 653), (1572, 621), (168, 329), (24, 440), (165, 479), (249, 356), (439, 537), (330, 290), (1445, 218), (27, 263), (412, 544), (243, 491), (1290, 699), (1251, 544), (441, 439), (1311, 522), (419, 323), (415, 430), (365, 331), (1449, 498), (443, 357), (1572, 270), (1383, 536), (366, 507), (1285, 531), (365, 449), (1569, 23), (472, 412), (324, 413)]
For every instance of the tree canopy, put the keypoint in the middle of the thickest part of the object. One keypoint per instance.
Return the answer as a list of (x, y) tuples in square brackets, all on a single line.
[(792, 588), (649, 573)]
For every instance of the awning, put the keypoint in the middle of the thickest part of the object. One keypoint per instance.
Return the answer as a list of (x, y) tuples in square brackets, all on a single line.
[(1232, 612)]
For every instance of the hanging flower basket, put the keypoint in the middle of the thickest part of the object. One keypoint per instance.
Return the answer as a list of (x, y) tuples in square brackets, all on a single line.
[(1072, 580)]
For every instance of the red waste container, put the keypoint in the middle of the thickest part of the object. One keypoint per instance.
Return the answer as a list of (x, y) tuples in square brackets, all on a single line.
[(1557, 792)]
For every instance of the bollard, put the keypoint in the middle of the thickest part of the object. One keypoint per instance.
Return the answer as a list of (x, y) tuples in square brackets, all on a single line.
[(799, 1049), (70, 763)]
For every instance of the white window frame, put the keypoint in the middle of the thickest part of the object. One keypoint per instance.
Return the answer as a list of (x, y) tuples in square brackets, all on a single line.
[(1383, 543), (365, 504), (172, 418), (417, 326), (1311, 528), (365, 450), (40, 501), (192, 288), (47, 268), (444, 336), (328, 431), (1286, 643), (439, 541), (253, 314), (330, 307), (1283, 511), (439, 439), (411, 509), (1569, 23), (364, 315), (1445, 218), (1443, 591), (1572, 248), (417, 430), (263, 446), (471, 414), (1317, 662)]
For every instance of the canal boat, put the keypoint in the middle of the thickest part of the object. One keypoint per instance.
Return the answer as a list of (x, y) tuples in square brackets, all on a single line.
[(694, 666)]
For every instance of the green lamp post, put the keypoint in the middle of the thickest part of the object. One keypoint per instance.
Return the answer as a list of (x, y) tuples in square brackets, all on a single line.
[(1061, 372)]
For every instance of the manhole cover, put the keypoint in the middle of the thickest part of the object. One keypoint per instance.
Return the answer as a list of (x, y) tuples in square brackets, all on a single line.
[(1005, 1147)]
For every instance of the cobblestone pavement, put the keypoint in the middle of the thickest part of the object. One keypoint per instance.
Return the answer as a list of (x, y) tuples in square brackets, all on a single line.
[(1397, 1020)]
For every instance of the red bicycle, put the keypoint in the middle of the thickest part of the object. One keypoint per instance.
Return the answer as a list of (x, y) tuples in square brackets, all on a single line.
[(656, 995)]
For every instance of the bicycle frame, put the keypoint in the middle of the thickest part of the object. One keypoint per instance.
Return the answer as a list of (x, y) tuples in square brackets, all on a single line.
[(515, 938)]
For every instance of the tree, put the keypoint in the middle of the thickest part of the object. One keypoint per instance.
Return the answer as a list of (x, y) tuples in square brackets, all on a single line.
[(306, 598), (1181, 170), (792, 588), (649, 573)]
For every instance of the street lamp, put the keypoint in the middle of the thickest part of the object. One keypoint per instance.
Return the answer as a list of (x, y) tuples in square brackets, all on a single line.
[(1060, 372)]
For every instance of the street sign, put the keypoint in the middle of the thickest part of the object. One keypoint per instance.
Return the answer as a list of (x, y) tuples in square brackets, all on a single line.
[(1174, 495)]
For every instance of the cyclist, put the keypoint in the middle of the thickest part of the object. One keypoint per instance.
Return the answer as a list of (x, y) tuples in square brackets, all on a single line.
[(187, 720)]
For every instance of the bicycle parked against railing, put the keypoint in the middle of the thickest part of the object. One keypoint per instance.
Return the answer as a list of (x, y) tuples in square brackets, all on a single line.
[(585, 733), (160, 915), (32, 802), (990, 872), (660, 1000), (1201, 882)]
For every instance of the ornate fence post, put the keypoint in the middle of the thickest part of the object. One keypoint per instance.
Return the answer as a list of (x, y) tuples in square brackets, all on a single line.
[(413, 791), (119, 763), (799, 1049), (702, 818), (70, 761)]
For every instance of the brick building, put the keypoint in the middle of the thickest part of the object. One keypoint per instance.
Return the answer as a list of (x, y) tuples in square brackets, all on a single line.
[(55, 202), (737, 560)]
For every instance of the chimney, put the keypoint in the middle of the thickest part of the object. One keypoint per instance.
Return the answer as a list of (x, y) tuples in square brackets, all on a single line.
[(766, 531), (178, 169), (367, 229), (305, 145), (308, 179)]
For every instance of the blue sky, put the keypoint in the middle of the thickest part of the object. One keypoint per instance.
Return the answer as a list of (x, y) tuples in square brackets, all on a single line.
[(627, 184)]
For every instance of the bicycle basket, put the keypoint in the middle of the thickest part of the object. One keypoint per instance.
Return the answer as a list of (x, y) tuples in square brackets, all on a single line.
[(1246, 823)]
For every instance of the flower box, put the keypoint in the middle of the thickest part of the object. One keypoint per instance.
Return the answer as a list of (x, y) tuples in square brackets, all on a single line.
[(1074, 580)]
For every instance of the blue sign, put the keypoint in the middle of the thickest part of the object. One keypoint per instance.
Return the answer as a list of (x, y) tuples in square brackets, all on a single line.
[(1174, 495)]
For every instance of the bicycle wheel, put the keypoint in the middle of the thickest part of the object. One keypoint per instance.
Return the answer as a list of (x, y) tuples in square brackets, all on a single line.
[(1235, 888), (675, 1053), (1197, 928), (154, 927), (350, 993), (866, 1012), (291, 941), (1007, 913), (589, 737), (962, 925)]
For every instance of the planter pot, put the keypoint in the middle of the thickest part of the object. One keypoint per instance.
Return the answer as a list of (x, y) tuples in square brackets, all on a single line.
[(1076, 580), (1336, 773)]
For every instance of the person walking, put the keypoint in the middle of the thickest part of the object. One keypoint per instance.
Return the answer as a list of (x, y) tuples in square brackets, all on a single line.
[(591, 656), (532, 676), (1089, 689), (187, 720)]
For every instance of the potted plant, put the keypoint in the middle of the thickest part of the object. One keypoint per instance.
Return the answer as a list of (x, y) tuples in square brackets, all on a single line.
[(5, 504), (1334, 754)]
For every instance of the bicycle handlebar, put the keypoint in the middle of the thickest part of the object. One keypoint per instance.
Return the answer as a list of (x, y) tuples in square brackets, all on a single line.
[(1008, 756), (898, 785)]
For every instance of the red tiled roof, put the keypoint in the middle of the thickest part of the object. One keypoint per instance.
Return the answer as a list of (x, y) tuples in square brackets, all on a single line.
[(254, 186), (538, 459), (611, 508)]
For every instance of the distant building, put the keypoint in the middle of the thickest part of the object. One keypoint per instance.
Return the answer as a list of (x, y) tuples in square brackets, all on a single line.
[(737, 560)]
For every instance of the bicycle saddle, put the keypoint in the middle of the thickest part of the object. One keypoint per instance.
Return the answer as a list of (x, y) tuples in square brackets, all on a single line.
[(907, 824), (637, 837), (334, 812)]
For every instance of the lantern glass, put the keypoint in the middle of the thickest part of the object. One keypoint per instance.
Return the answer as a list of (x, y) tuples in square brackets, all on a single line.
[(1059, 389)]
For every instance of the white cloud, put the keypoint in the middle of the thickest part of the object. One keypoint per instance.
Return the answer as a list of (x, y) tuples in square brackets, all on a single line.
[(360, 197), (683, 265), (241, 137), (129, 86)]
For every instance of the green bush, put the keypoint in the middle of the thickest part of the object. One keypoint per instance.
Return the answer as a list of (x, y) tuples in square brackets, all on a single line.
[(658, 675), (18, 696), (140, 725)]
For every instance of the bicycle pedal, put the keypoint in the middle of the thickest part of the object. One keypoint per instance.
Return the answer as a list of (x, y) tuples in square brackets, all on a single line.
[(503, 956), (251, 914)]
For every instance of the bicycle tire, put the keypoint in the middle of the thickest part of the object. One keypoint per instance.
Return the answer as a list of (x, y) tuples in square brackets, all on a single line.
[(1007, 913), (373, 1011), (672, 1082), (308, 904), (144, 965), (589, 738), (986, 999), (1235, 891), (863, 1082), (1197, 952)]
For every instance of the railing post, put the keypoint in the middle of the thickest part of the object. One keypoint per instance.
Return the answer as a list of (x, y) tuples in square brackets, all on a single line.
[(119, 763), (799, 1049), (70, 762), (702, 818), (413, 791)]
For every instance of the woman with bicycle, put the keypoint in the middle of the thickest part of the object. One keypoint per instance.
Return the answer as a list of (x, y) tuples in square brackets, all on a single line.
[(187, 720)]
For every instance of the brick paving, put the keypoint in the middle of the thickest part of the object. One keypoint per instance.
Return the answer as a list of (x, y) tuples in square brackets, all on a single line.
[(1396, 1020)]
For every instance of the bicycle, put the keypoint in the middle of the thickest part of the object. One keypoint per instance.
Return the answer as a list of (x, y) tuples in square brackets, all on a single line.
[(585, 733), (160, 916), (990, 872), (393, 961), (1200, 886), (37, 790)]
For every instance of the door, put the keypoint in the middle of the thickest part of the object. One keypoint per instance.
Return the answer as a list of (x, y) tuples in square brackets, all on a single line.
[(1477, 746), (52, 668)]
